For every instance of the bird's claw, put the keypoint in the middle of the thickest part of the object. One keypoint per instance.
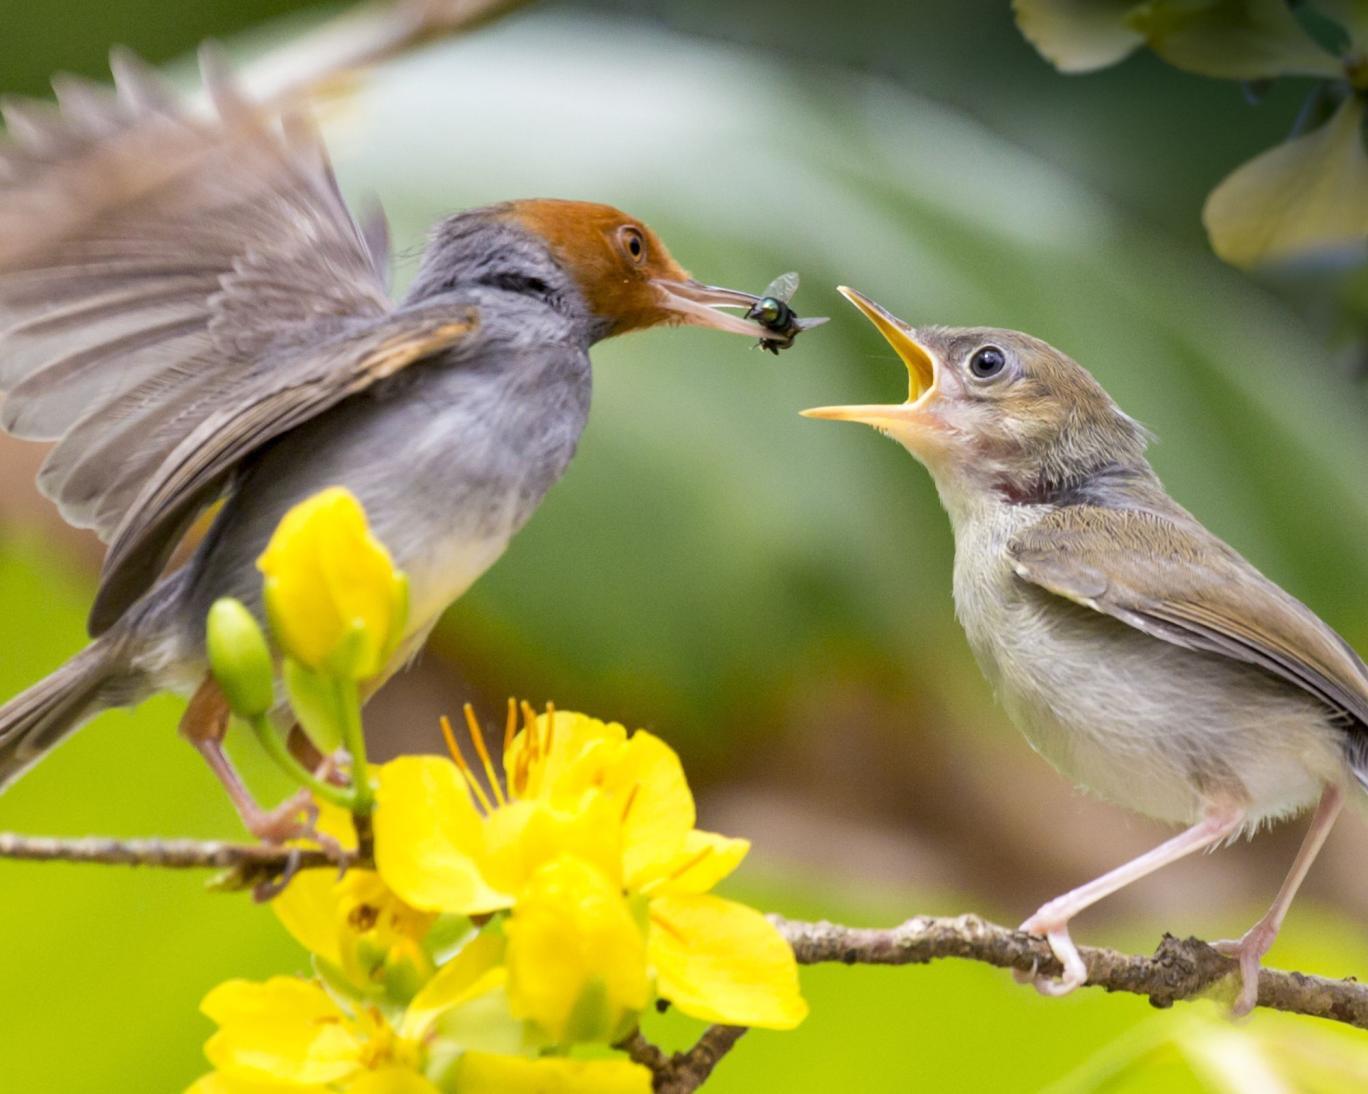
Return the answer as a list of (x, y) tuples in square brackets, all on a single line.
[(296, 818), (271, 888), (1248, 951), (1075, 973)]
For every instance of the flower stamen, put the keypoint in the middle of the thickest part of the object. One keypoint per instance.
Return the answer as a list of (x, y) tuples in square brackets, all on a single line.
[(550, 727), (530, 731), (454, 747), (510, 724), (477, 736)]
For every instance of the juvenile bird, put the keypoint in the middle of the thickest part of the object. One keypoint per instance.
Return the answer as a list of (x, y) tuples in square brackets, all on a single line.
[(1137, 652), (189, 309)]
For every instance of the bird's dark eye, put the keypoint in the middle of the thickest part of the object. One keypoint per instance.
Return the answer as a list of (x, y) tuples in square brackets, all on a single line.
[(987, 362), (633, 243)]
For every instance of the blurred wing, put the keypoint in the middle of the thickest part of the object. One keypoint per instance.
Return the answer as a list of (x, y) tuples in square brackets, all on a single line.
[(149, 258), (1177, 582), (782, 287), (196, 470)]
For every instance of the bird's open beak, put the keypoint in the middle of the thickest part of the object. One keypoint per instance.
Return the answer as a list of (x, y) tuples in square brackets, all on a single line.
[(922, 372), (697, 304)]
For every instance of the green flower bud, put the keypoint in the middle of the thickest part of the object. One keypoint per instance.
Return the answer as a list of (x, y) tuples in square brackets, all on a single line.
[(240, 658)]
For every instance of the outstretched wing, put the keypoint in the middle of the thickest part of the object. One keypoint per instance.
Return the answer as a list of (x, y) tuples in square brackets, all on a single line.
[(195, 472), (154, 262), (1174, 580)]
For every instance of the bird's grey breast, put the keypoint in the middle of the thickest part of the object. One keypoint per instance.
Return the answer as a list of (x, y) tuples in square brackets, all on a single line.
[(449, 458)]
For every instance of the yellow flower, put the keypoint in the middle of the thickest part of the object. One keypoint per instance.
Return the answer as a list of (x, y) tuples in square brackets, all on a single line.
[(482, 1073), (288, 1036), (336, 603), (578, 787), (355, 924), (576, 958), (288, 1033)]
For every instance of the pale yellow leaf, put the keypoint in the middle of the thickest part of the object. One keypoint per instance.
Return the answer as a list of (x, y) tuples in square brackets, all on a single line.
[(1307, 196)]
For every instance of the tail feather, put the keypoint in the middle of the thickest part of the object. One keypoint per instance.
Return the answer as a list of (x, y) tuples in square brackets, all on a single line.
[(35, 720)]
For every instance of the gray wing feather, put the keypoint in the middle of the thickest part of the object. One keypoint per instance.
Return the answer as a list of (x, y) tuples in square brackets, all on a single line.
[(1174, 580), (196, 469), (150, 259)]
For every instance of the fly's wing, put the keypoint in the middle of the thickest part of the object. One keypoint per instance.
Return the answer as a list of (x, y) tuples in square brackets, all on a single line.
[(1174, 580), (782, 287), (151, 258)]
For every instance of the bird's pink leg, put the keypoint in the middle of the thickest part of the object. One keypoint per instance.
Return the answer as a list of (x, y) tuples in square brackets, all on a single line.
[(1052, 920), (1259, 938), (204, 725)]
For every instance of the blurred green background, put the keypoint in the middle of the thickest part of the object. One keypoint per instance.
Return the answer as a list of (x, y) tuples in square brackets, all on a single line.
[(770, 594)]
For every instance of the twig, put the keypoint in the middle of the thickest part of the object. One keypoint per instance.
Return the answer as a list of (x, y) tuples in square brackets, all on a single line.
[(361, 37), (1180, 968), (684, 1072), (248, 865)]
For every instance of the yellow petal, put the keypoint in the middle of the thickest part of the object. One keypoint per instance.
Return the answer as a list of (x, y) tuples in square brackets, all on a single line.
[(483, 1073), (1232, 39), (335, 821), (576, 958), (1308, 195), (428, 838), (391, 1080), (283, 1029), (723, 962), (658, 807), (476, 969), (1078, 35), (523, 836), (704, 860), (307, 909), (330, 585), (540, 756)]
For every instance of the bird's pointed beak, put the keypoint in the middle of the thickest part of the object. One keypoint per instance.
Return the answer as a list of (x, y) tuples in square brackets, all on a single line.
[(697, 304), (922, 372)]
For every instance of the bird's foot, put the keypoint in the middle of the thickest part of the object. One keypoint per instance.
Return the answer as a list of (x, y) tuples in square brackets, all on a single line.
[(1056, 933), (1248, 951), (296, 818)]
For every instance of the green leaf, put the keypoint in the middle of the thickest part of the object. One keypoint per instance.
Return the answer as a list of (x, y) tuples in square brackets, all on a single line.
[(1306, 196), (1232, 39), (1078, 35), (313, 698), (1352, 15)]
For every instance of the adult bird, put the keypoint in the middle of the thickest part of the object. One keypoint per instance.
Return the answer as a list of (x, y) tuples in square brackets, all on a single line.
[(1140, 654), (190, 311)]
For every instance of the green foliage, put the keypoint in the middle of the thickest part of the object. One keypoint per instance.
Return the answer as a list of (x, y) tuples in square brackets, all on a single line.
[(1309, 196)]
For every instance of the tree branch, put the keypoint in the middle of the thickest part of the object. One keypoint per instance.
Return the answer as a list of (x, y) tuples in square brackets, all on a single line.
[(247, 865), (360, 37), (684, 1072), (1180, 968)]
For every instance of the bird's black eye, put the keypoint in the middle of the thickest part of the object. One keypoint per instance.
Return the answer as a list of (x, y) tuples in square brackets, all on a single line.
[(987, 362), (633, 243)]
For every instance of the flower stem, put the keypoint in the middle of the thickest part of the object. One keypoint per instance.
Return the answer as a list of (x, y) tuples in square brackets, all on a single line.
[(275, 748), (354, 741)]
